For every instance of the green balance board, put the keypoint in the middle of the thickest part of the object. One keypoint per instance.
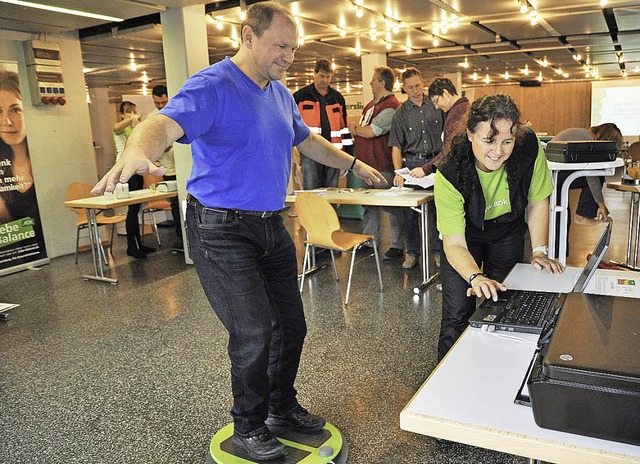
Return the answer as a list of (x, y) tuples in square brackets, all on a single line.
[(317, 448)]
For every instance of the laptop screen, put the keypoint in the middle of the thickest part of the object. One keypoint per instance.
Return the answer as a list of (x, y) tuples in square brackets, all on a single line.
[(594, 260)]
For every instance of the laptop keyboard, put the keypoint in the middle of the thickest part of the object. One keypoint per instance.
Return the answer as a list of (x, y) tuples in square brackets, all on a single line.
[(528, 308)]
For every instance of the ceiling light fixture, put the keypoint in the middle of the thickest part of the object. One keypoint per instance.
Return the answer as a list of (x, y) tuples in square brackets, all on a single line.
[(57, 9), (486, 79), (526, 70), (539, 76), (474, 76), (603, 2)]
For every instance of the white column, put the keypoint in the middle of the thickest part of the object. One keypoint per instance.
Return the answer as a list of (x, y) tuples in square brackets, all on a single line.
[(367, 63), (184, 42)]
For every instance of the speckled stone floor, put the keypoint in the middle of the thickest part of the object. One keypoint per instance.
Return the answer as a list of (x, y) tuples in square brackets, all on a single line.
[(138, 372)]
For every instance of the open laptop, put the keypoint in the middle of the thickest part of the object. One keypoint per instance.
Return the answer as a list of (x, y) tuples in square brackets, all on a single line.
[(530, 311)]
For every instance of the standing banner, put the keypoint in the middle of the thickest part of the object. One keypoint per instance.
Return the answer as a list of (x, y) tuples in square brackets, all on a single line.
[(21, 236)]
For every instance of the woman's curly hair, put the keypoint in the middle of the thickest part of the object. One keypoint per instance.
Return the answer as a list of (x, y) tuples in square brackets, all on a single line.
[(489, 108)]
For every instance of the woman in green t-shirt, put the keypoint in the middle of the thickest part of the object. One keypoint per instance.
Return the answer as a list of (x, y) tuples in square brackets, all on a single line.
[(494, 173)]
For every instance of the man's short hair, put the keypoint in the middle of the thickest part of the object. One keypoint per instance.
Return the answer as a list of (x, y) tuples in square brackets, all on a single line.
[(260, 15), (159, 90), (323, 64), (439, 85), (410, 72), (385, 74)]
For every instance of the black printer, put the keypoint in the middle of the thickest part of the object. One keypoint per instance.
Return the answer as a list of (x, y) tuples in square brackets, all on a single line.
[(586, 380)]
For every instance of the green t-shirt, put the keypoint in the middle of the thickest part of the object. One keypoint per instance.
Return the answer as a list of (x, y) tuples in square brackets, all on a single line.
[(450, 203)]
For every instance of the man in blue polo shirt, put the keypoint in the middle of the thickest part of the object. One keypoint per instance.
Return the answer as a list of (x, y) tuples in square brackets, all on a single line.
[(242, 124)]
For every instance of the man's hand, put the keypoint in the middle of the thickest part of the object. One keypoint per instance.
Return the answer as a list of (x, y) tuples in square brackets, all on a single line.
[(368, 174), (417, 172), (128, 165), (398, 181)]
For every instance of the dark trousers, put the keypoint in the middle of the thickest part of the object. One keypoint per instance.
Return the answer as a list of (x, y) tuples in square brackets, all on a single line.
[(495, 259), (412, 219), (248, 269), (175, 210), (316, 175), (132, 224)]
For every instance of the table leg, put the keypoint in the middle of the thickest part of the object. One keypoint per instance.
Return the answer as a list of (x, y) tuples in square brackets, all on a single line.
[(427, 278), (564, 210), (553, 215), (96, 253), (635, 198), (631, 231)]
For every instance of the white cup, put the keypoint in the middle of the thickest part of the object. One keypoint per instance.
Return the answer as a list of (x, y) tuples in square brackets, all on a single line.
[(121, 191)]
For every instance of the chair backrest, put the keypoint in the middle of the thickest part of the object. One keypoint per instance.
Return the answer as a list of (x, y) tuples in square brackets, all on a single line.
[(318, 218), (634, 151), (77, 191), (149, 179)]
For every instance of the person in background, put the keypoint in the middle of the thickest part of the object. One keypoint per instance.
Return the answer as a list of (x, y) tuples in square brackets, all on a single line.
[(129, 118), (494, 173), (14, 153), (444, 96), (239, 118), (371, 145), (167, 161), (415, 139), (324, 110)]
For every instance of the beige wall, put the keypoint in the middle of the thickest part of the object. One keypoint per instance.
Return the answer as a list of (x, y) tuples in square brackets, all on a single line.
[(550, 108)]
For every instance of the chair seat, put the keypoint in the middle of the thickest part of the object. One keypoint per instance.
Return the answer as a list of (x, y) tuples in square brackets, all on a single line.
[(345, 241), (104, 220), (158, 205)]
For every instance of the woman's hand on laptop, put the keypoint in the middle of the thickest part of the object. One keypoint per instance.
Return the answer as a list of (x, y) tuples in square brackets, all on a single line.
[(541, 261), (483, 286)]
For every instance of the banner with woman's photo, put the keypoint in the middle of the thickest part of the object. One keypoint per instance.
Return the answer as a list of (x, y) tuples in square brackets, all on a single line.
[(21, 237)]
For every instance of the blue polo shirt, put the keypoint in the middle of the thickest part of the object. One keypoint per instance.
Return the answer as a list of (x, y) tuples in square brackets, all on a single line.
[(241, 137)]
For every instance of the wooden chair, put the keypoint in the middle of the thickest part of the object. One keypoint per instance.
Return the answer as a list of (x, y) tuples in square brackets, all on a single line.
[(152, 207), (321, 222), (633, 151), (77, 191)]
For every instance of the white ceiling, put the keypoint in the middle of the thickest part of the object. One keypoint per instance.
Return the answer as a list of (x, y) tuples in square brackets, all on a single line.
[(492, 35)]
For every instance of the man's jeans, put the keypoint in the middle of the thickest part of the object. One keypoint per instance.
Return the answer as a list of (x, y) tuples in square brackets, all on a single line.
[(412, 219), (316, 175), (371, 218), (248, 269)]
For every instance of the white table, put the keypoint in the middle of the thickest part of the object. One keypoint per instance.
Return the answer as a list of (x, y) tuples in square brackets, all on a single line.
[(384, 197), (634, 220), (469, 397), (92, 204), (581, 170)]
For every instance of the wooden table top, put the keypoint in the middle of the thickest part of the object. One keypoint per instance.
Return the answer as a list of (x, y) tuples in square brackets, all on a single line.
[(105, 202)]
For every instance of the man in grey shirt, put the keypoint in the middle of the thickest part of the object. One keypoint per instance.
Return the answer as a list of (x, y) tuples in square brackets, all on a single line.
[(415, 138)]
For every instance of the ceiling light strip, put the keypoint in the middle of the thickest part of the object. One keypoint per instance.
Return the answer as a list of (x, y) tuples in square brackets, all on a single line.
[(57, 9)]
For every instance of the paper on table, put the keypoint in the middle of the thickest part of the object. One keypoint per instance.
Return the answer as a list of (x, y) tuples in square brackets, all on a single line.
[(614, 285), (316, 191), (424, 182), (393, 191)]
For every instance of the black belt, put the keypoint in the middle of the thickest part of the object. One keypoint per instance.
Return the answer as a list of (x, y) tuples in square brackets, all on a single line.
[(420, 155), (240, 212)]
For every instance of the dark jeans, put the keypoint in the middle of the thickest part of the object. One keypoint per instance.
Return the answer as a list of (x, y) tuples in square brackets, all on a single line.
[(412, 219), (316, 175), (248, 269), (132, 224), (175, 210), (496, 260)]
